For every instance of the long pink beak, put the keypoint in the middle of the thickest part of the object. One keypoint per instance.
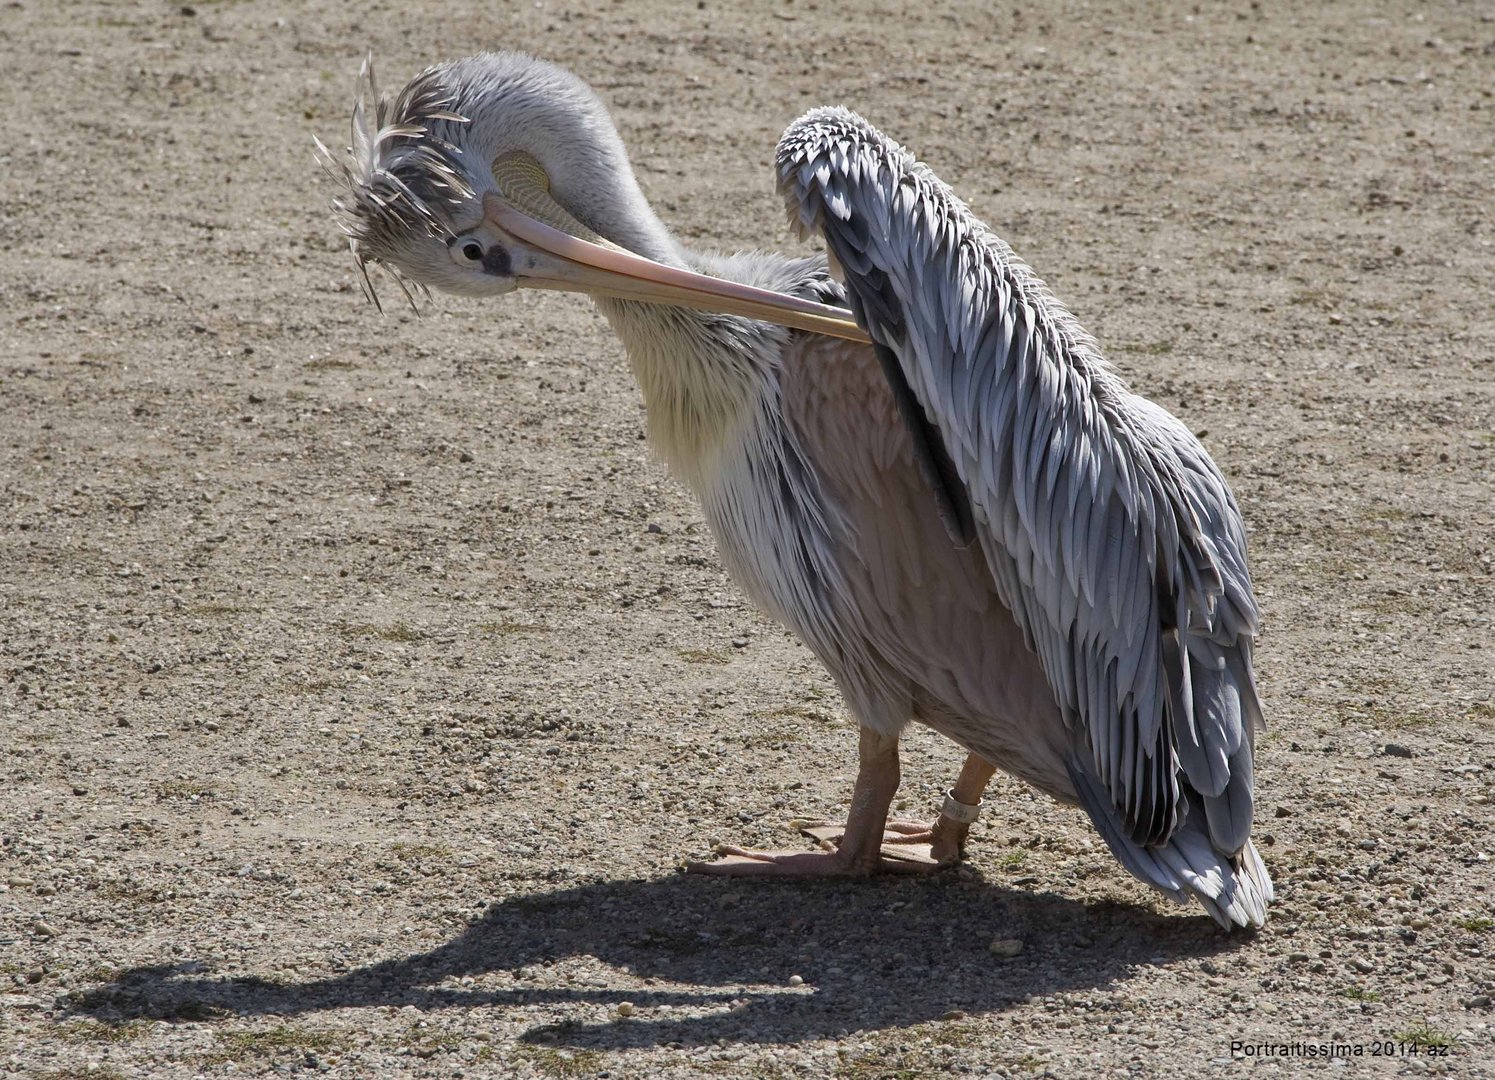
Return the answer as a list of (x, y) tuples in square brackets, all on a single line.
[(562, 261)]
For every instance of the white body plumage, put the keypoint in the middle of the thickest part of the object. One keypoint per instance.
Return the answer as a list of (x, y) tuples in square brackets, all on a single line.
[(1095, 641)]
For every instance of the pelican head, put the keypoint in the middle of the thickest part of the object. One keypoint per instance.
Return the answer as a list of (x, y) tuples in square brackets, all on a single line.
[(502, 171)]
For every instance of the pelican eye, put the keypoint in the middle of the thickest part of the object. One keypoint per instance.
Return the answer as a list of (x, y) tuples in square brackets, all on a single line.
[(466, 250)]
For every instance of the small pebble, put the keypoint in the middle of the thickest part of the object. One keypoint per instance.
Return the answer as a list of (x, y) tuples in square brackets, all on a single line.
[(1365, 967), (1006, 947), (625, 1008), (954, 1014), (796, 980), (1392, 749)]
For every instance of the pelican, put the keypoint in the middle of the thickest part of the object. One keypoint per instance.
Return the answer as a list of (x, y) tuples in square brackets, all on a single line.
[(908, 451)]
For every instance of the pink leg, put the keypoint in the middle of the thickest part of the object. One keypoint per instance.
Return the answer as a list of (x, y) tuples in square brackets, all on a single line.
[(945, 839), (948, 837), (860, 850)]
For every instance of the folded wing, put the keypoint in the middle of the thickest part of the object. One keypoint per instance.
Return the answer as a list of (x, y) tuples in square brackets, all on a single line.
[(1110, 533)]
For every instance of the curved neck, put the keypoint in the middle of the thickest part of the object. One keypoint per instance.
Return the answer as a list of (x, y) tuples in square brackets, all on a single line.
[(586, 164), (619, 211)]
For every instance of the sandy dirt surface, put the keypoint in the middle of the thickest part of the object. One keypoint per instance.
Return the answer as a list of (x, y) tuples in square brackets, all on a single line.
[(363, 681)]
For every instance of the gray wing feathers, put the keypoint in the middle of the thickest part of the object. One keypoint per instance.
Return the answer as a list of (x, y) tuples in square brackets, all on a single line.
[(1110, 534), (1235, 894)]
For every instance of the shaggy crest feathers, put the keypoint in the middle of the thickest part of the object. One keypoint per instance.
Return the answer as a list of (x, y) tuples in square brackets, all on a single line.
[(399, 174), (421, 162)]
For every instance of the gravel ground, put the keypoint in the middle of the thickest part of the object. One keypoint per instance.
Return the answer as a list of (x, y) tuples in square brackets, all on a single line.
[(363, 681)]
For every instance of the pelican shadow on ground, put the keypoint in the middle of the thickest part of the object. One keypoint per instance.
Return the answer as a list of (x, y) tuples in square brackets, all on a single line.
[(873, 955)]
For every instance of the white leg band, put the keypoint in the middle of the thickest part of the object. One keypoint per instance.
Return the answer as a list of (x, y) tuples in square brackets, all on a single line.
[(959, 812)]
